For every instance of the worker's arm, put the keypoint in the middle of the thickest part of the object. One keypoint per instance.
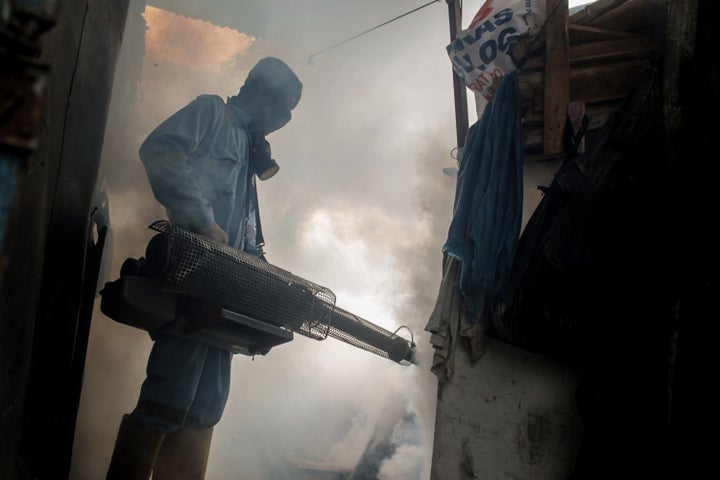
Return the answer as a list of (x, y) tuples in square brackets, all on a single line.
[(166, 155)]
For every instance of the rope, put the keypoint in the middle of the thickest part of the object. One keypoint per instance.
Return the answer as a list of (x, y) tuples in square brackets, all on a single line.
[(313, 55)]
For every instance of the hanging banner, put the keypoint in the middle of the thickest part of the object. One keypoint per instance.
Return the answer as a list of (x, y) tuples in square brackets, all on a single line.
[(480, 53)]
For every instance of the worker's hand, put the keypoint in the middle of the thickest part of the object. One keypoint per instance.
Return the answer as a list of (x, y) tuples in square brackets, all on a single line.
[(214, 232)]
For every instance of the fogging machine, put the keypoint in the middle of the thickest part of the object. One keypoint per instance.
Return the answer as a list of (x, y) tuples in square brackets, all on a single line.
[(190, 286)]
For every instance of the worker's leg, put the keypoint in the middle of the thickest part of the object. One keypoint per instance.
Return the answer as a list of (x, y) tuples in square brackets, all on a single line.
[(174, 370), (136, 448), (173, 374), (184, 453)]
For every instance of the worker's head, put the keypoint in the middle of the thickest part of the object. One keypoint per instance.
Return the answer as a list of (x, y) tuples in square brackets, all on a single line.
[(269, 93)]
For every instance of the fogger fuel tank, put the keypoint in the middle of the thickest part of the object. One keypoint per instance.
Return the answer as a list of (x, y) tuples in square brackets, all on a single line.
[(190, 286)]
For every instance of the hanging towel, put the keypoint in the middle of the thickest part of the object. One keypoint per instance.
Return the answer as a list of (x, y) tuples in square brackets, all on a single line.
[(448, 323), (487, 211), (484, 230)]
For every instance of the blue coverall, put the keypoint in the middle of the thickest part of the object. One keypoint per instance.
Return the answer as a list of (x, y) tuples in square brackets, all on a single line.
[(197, 162)]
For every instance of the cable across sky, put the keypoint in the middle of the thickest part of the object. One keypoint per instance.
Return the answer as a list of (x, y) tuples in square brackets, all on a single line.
[(313, 55)]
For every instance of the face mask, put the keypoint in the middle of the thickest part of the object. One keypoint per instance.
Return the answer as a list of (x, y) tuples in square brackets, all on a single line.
[(275, 118), (269, 109)]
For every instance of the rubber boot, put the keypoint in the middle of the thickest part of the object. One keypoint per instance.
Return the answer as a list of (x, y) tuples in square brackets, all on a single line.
[(184, 455), (136, 448)]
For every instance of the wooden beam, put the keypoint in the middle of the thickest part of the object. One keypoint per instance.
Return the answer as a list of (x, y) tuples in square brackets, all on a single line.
[(591, 84), (594, 10), (459, 87), (612, 50), (585, 33), (557, 76), (596, 53), (631, 16)]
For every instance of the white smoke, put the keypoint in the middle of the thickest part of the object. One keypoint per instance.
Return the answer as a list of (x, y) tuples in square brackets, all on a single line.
[(410, 459), (360, 206), (408, 463)]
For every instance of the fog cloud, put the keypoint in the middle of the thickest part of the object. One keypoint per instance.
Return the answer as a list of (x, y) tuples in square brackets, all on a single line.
[(360, 206)]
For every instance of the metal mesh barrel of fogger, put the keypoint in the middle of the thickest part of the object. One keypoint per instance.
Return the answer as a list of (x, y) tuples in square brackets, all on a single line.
[(190, 264)]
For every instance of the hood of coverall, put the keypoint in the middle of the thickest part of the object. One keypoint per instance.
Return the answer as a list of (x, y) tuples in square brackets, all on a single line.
[(270, 92)]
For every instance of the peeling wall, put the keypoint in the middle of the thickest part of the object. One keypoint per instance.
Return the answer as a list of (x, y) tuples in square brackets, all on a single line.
[(511, 415)]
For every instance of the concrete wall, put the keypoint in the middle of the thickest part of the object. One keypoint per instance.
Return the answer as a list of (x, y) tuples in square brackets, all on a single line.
[(651, 411), (511, 415)]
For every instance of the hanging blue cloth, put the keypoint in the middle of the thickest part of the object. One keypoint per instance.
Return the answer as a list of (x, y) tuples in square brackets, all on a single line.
[(487, 211)]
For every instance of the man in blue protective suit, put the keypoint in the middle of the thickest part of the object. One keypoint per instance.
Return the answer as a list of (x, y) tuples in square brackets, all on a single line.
[(201, 163)]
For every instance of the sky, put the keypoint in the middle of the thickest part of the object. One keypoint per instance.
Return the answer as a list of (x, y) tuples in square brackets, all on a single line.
[(360, 205)]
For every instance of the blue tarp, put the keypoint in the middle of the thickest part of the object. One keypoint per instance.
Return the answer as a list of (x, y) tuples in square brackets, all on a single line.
[(487, 211)]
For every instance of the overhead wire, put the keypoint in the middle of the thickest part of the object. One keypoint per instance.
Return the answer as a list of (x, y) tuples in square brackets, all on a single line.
[(313, 55)]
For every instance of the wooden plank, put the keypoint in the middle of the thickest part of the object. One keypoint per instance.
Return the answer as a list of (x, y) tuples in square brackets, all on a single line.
[(588, 14), (612, 50), (605, 82), (585, 33), (557, 76), (592, 84), (601, 52), (631, 15)]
